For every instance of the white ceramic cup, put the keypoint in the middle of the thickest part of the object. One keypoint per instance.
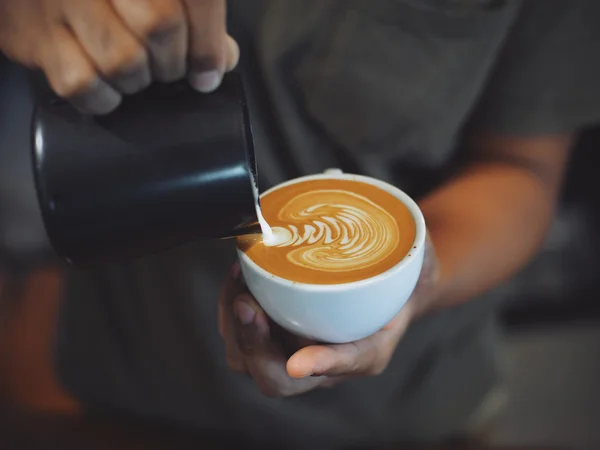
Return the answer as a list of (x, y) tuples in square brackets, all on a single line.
[(339, 313)]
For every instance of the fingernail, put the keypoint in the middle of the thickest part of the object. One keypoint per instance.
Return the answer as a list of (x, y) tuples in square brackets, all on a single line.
[(244, 313), (99, 99), (205, 81)]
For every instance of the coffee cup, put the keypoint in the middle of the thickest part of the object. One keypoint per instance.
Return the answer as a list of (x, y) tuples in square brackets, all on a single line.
[(344, 312)]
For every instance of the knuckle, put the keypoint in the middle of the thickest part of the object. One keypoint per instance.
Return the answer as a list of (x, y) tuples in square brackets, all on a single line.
[(162, 21)]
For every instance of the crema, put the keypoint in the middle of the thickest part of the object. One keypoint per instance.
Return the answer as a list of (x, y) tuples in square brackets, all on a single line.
[(331, 231)]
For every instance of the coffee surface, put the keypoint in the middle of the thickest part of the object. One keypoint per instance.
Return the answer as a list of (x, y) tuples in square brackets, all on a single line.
[(332, 231)]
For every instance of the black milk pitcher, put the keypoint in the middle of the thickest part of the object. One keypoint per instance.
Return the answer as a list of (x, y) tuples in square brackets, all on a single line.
[(168, 167)]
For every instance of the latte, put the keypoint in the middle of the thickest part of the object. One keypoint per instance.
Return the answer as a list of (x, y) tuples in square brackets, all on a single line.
[(331, 231)]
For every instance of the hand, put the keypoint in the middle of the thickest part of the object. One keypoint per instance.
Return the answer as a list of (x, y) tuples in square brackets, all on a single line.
[(95, 51), (258, 347)]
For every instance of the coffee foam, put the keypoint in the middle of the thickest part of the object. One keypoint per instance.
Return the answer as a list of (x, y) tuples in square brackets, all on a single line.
[(331, 231), (346, 232), (267, 232), (265, 228)]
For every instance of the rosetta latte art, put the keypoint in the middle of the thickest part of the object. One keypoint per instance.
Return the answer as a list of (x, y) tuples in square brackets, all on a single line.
[(335, 231), (331, 231)]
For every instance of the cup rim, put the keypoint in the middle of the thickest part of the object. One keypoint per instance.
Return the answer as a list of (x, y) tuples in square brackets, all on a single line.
[(417, 245)]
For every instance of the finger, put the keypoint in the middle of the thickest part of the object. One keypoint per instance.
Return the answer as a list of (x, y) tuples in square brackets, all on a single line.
[(331, 382), (116, 53), (211, 52), (232, 54), (231, 288), (253, 334), (368, 356), (162, 27), (264, 359), (234, 357), (290, 343), (324, 360), (73, 77)]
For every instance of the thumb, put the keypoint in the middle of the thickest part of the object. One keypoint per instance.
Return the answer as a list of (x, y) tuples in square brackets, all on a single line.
[(252, 327)]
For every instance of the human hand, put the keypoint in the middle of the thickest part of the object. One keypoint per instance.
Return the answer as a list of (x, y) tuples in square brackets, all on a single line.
[(95, 51), (258, 347)]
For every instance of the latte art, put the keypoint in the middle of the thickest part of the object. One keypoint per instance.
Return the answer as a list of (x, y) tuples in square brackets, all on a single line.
[(347, 233), (331, 231)]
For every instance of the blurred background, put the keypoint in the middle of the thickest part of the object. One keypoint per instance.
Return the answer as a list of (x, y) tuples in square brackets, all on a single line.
[(551, 310)]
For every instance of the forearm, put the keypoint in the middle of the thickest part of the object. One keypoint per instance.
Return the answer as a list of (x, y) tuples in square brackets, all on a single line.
[(485, 225)]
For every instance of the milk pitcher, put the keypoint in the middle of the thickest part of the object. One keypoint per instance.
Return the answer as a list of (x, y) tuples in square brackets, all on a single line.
[(168, 167)]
